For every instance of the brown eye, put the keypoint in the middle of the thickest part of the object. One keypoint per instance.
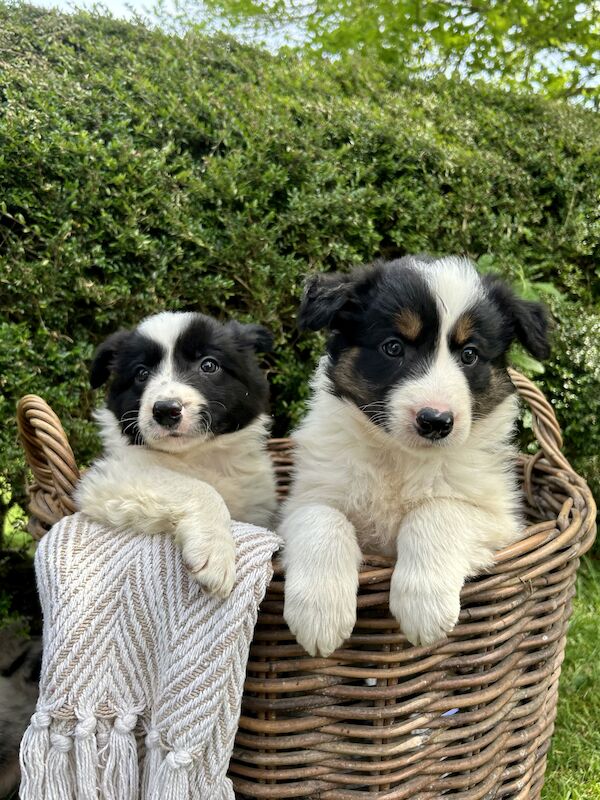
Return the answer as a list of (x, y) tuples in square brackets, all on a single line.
[(209, 365), (141, 374), (393, 348), (469, 356)]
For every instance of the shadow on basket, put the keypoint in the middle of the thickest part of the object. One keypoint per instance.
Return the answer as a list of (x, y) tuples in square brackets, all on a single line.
[(470, 718)]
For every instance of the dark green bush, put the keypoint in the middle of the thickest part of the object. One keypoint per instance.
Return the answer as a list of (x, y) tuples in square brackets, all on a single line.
[(141, 171)]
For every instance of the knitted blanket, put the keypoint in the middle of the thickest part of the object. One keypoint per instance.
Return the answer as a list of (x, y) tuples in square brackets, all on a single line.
[(142, 672)]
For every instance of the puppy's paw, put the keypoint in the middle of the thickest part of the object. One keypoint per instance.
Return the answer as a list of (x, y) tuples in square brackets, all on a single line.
[(210, 558), (425, 617), (321, 616)]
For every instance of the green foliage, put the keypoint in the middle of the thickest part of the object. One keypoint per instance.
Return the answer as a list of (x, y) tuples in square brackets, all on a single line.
[(549, 45), (142, 171), (572, 379), (574, 762)]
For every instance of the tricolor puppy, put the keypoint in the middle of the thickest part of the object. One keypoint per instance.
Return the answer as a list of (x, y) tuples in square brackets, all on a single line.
[(184, 431), (407, 446)]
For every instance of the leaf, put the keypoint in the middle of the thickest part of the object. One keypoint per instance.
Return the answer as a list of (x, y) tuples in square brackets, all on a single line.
[(526, 363)]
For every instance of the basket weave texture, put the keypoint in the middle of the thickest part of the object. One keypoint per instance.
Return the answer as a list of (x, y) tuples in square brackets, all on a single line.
[(470, 718)]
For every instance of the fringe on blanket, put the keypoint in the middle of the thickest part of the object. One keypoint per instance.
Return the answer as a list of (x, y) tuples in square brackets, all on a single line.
[(142, 673), (92, 758)]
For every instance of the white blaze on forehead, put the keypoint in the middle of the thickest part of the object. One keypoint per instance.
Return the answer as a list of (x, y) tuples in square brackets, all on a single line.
[(455, 284), (164, 383), (166, 327), (456, 287)]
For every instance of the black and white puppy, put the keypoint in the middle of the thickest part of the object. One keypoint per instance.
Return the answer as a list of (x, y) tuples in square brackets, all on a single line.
[(407, 446), (184, 432)]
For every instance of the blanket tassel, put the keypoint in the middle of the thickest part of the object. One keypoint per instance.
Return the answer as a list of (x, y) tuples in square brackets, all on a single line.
[(173, 778), (120, 780), (35, 747), (59, 770), (152, 761), (86, 759)]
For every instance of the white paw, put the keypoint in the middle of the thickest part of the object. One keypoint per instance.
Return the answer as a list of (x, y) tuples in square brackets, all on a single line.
[(425, 617), (321, 616), (210, 558)]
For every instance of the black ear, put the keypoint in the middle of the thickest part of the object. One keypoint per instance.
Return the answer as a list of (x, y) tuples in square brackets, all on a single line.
[(528, 320), (104, 358), (325, 295), (252, 337)]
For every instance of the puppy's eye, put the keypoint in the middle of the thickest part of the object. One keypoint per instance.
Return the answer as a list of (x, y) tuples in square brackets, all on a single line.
[(393, 348), (469, 356), (141, 374), (209, 365)]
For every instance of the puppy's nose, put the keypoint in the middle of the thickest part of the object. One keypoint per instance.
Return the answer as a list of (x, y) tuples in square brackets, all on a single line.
[(434, 424), (167, 412)]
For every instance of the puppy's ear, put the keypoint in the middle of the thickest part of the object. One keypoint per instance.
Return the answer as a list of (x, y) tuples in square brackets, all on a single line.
[(104, 358), (325, 295), (251, 337), (528, 320)]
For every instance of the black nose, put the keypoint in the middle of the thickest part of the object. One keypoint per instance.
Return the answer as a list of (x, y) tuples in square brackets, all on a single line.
[(167, 412), (434, 424)]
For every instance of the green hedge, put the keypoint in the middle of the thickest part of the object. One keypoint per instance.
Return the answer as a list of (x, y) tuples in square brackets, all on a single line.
[(141, 172)]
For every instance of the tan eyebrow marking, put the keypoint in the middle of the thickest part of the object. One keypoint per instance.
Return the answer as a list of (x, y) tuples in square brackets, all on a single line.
[(408, 323), (463, 330), (349, 379)]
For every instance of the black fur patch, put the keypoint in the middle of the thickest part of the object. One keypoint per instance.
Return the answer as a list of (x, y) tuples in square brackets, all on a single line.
[(524, 320), (363, 314), (488, 380), (133, 350), (239, 392)]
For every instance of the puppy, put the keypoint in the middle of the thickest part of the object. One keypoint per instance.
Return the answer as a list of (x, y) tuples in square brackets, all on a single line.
[(407, 446), (184, 432)]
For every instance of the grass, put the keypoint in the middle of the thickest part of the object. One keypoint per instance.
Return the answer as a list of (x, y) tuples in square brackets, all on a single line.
[(574, 763)]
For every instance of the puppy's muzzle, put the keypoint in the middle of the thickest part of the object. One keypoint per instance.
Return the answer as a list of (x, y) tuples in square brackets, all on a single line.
[(434, 424), (167, 413)]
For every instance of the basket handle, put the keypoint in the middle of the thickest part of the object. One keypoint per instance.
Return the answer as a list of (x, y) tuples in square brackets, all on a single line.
[(48, 452), (545, 425)]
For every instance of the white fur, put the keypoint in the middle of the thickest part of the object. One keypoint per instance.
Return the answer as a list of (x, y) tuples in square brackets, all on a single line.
[(456, 285), (192, 494), (443, 387), (442, 509), (190, 486), (166, 326)]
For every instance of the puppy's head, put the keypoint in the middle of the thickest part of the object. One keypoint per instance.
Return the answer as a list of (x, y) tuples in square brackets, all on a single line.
[(419, 344), (180, 378)]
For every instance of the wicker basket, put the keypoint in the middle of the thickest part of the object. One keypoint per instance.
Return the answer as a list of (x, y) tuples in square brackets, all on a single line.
[(471, 718)]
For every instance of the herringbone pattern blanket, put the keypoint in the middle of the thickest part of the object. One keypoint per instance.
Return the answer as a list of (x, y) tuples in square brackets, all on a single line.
[(142, 673)]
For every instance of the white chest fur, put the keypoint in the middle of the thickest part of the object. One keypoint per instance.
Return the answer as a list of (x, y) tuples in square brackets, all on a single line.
[(236, 465), (347, 462)]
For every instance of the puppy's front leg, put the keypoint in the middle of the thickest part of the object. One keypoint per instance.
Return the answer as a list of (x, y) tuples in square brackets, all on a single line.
[(321, 558), (439, 545), (206, 542), (150, 502)]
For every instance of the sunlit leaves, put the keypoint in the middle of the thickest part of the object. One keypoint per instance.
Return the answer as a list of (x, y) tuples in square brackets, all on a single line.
[(548, 45)]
